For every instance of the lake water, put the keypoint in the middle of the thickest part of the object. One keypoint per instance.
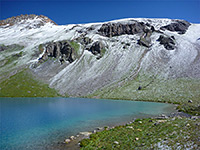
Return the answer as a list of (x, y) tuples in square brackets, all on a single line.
[(39, 123)]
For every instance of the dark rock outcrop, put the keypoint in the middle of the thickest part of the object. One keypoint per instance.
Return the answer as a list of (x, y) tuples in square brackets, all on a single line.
[(96, 48), (168, 42), (61, 50), (179, 26), (145, 39), (117, 29), (84, 40)]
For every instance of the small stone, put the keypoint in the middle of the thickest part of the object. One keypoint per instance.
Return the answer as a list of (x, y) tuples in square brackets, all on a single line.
[(85, 133), (95, 131), (129, 127), (173, 118), (72, 138), (174, 132), (161, 121), (187, 125), (99, 128), (197, 124), (139, 88), (164, 116), (115, 142), (67, 140), (194, 117), (136, 139)]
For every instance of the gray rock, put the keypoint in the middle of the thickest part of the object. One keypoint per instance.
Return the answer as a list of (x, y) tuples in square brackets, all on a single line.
[(168, 42), (179, 26), (145, 39), (194, 117), (61, 50), (67, 140), (72, 138), (115, 142), (85, 133), (95, 131), (97, 49), (117, 29), (129, 127)]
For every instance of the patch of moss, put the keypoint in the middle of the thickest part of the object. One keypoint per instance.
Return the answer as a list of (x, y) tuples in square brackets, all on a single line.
[(41, 48), (23, 84), (103, 51), (75, 45)]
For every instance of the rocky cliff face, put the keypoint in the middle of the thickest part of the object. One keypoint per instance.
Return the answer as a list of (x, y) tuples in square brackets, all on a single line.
[(81, 59), (62, 50)]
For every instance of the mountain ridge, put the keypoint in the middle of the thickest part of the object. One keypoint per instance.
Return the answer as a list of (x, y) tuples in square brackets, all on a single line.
[(147, 56)]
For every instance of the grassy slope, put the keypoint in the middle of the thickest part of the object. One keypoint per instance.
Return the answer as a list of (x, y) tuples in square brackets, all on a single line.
[(23, 84), (173, 133), (177, 91)]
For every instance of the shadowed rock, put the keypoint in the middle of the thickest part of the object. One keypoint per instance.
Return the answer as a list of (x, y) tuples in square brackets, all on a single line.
[(145, 39), (61, 50), (168, 42), (117, 29), (180, 26), (96, 48)]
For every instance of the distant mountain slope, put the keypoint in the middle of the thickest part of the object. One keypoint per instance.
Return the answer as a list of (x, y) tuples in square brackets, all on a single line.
[(80, 59)]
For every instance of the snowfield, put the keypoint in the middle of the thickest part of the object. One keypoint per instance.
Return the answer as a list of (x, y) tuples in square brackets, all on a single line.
[(124, 58)]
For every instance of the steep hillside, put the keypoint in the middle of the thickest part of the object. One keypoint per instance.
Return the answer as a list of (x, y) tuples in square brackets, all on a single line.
[(135, 58)]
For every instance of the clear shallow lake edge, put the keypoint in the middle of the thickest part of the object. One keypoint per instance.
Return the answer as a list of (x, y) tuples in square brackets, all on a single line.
[(39, 123)]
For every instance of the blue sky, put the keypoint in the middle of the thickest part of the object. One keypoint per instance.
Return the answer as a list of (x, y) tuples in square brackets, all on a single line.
[(82, 11)]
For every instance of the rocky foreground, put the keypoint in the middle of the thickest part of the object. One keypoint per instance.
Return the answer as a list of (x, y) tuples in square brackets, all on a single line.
[(177, 131)]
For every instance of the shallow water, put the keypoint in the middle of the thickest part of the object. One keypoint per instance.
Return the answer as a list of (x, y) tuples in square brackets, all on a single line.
[(39, 123)]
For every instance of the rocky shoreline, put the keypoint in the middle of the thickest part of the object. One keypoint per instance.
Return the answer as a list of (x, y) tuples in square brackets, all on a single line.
[(73, 142)]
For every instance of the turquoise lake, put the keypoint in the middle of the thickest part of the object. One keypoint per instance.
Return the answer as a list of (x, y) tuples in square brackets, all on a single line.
[(40, 123)]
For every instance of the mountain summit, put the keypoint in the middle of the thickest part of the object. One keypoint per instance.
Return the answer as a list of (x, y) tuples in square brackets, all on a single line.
[(134, 58), (34, 21)]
